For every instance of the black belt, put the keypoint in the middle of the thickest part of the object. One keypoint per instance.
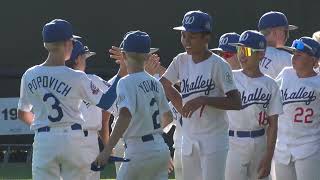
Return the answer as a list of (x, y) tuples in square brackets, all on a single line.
[(145, 138), (252, 134), (74, 126)]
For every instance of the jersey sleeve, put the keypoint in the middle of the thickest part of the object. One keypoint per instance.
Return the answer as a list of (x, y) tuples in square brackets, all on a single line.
[(224, 77), (89, 91), (101, 84), (163, 102), (126, 98), (275, 105), (172, 73), (24, 103), (279, 78)]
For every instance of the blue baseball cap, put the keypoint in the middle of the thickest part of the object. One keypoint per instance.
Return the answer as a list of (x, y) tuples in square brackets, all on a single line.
[(196, 21), (57, 30), (274, 19), (79, 49), (306, 45), (252, 39), (138, 42), (224, 41)]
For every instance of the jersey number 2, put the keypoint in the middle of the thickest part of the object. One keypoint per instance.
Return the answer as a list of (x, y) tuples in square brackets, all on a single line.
[(307, 113), (54, 106), (155, 118)]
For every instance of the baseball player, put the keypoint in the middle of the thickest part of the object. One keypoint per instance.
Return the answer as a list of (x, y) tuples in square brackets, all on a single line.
[(151, 66), (297, 153), (94, 116), (228, 52), (253, 129), (50, 99), (274, 25), (207, 89), (140, 111)]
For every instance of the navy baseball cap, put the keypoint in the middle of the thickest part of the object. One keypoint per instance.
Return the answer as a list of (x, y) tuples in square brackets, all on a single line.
[(274, 19), (252, 39), (57, 30), (306, 45), (138, 42), (196, 21), (79, 49), (224, 41)]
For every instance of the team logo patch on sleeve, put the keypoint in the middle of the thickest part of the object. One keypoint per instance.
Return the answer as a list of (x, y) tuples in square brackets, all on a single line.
[(94, 88)]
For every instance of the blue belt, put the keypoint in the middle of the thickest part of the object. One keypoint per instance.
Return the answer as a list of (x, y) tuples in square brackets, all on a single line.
[(145, 138), (75, 126), (252, 134)]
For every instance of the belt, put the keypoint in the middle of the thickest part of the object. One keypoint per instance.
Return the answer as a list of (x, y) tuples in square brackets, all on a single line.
[(145, 138), (74, 126), (252, 134)]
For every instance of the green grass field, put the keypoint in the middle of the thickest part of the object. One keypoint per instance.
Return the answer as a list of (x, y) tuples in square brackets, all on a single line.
[(23, 171)]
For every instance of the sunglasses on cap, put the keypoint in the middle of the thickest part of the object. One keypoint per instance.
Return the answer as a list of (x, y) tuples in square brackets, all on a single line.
[(246, 51), (303, 47), (226, 55)]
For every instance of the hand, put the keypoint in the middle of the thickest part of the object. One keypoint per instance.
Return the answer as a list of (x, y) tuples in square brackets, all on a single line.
[(103, 157), (191, 106), (152, 65), (170, 165), (264, 167), (115, 53)]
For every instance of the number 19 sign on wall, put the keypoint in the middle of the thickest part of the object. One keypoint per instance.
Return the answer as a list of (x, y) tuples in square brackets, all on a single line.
[(9, 122)]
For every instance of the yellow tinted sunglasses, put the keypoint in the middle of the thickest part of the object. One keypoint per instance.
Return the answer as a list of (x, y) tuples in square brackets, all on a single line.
[(246, 51)]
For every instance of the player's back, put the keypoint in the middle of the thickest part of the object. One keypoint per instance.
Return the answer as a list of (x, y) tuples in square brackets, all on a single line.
[(146, 102), (55, 94), (274, 61)]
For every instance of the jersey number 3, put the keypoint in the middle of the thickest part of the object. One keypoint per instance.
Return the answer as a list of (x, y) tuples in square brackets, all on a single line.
[(54, 106), (155, 118)]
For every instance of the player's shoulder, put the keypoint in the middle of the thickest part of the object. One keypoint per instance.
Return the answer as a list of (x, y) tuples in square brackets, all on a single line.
[(288, 70), (269, 80), (278, 52), (182, 57)]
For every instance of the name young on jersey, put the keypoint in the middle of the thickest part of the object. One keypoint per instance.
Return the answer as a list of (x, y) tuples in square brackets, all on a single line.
[(302, 95), (257, 97), (199, 85), (49, 82), (149, 85)]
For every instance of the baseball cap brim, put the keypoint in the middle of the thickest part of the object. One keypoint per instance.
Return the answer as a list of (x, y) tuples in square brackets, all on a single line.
[(89, 54), (288, 49), (152, 50), (241, 44), (236, 44), (179, 28), (216, 50), (76, 37), (292, 27)]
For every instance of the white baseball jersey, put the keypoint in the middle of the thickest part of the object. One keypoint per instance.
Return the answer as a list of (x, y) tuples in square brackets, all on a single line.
[(113, 109), (274, 61), (92, 114), (55, 93), (299, 126), (177, 121), (144, 97), (213, 78), (260, 98)]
